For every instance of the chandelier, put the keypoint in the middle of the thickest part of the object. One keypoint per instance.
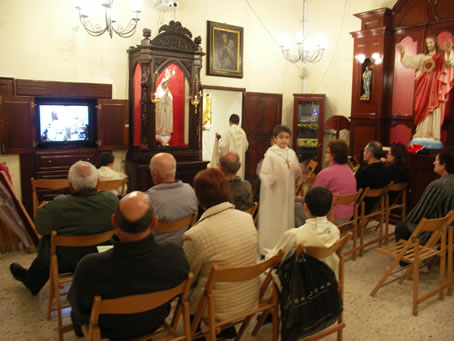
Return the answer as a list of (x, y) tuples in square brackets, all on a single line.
[(307, 52), (96, 30)]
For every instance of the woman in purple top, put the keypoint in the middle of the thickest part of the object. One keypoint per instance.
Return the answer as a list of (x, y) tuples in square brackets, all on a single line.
[(338, 178)]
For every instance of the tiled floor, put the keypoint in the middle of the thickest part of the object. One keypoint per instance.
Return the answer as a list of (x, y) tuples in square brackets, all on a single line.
[(384, 317)]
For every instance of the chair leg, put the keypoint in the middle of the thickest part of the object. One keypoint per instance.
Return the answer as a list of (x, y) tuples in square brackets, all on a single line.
[(50, 299), (415, 284), (450, 251), (385, 276), (355, 237), (442, 275), (259, 323)]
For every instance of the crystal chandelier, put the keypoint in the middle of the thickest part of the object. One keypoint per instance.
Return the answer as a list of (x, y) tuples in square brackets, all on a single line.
[(122, 31), (307, 51)]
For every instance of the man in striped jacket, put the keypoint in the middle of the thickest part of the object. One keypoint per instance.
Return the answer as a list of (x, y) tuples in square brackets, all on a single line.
[(438, 198)]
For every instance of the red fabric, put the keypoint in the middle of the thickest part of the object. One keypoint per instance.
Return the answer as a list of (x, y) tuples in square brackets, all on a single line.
[(176, 86), (432, 88), (5, 169), (137, 106)]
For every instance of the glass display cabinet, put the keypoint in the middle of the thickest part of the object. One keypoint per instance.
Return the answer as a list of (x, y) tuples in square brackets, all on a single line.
[(308, 126)]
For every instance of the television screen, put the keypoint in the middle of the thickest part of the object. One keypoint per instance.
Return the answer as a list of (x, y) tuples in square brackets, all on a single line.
[(64, 123)]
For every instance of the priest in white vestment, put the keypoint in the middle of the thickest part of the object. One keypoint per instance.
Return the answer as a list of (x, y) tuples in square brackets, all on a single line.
[(234, 141), (278, 174)]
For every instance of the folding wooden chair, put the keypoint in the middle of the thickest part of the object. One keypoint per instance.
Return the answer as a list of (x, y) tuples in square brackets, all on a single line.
[(450, 256), (395, 198), (322, 252), (310, 169), (413, 252), (172, 226), (303, 187), (46, 184), (377, 213), (238, 274), (252, 209), (346, 199), (109, 185), (135, 304), (57, 280)]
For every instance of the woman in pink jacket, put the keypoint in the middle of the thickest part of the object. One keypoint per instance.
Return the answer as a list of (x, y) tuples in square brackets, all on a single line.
[(338, 177)]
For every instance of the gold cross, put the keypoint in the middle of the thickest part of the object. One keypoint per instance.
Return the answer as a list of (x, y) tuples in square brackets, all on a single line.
[(288, 163)]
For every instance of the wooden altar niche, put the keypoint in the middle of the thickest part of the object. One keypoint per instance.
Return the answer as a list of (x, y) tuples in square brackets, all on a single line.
[(388, 115), (174, 56)]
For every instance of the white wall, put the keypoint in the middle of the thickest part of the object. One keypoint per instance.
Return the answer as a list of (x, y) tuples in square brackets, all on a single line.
[(43, 40)]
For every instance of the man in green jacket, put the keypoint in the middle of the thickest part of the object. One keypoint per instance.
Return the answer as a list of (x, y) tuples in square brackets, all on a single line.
[(85, 211)]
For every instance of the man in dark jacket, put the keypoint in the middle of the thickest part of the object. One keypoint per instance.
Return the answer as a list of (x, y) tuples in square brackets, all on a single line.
[(85, 211), (374, 175), (135, 265)]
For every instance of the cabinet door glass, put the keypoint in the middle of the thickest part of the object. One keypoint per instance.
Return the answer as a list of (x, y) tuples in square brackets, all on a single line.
[(307, 134), (172, 107)]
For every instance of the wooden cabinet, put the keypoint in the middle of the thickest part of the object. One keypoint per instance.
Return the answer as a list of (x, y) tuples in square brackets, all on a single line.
[(18, 127), (165, 103), (308, 111)]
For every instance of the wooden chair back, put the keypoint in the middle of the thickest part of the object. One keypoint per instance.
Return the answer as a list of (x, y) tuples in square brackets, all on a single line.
[(302, 188), (172, 226), (135, 304), (109, 185), (412, 251), (399, 200), (252, 209), (49, 184), (58, 280), (344, 199), (310, 169), (377, 213), (239, 274), (322, 252)]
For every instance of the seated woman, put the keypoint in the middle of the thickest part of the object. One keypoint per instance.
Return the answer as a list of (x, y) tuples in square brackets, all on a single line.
[(396, 163), (223, 236), (338, 178), (106, 171)]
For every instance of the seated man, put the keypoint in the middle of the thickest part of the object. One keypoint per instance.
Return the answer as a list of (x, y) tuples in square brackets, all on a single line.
[(223, 236), (106, 171), (374, 175), (85, 211), (240, 191), (317, 231), (171, 199), (438, 198), (135, 265)]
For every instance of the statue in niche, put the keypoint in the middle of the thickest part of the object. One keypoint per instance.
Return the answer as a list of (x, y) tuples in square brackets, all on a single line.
[(366, 79), (164, 111), (433, 83)]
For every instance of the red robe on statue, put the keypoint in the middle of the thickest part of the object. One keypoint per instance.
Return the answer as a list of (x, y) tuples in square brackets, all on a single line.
[(433, 84)]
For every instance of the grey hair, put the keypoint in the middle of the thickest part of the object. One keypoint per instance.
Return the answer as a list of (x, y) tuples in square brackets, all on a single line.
[(162, 169), (375, 148), (83, 175)]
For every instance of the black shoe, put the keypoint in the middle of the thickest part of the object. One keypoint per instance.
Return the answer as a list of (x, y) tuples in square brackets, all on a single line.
[(17, 271), (228, 333)]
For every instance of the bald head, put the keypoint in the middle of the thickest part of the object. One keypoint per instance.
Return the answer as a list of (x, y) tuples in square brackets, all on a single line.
[(162, 168), (230, 163), (134, 213)]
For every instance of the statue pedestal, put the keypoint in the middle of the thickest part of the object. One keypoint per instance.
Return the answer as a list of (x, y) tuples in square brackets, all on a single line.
[(428, 143)]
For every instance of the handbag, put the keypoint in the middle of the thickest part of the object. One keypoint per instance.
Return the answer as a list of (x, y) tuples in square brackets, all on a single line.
[(309, 297)]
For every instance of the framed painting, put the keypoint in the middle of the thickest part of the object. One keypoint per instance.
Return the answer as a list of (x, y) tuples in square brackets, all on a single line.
[(225, 50)]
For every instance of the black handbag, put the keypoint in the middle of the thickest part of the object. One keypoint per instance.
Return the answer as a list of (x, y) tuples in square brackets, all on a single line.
[(309, 298)]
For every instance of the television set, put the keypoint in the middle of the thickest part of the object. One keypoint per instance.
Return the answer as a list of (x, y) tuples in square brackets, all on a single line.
[(65, 123)]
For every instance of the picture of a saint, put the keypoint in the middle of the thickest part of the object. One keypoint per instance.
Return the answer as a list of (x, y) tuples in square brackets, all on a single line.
[(226, 50), (366, 79)]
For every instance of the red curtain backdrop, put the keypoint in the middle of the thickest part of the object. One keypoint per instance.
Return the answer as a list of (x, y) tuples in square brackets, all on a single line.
[(137, 107), (176, 86)]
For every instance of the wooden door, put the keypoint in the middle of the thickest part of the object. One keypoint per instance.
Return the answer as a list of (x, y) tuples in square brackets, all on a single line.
[(19, 124), (113, 124), (261, 113)]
